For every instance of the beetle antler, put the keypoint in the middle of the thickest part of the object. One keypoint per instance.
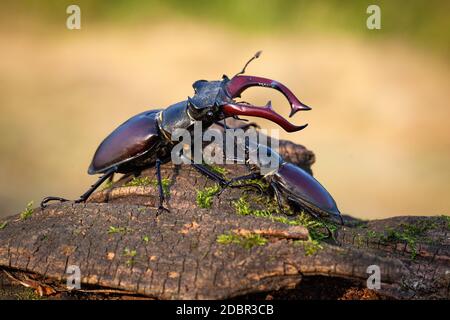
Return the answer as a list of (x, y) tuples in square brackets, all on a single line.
[(266, 112), (238, 84)]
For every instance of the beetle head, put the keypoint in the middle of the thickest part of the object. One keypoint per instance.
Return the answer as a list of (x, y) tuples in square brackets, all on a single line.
[(207, 101)]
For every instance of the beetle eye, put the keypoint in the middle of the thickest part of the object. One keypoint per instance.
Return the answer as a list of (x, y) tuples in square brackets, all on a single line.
[(209, 113)]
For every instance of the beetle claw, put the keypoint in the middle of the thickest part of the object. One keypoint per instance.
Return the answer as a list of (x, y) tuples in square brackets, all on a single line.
[(161, 208), (44, 201)]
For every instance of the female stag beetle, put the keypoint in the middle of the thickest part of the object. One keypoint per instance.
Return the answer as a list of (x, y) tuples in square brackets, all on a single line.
[(290, 184), (144, 140)]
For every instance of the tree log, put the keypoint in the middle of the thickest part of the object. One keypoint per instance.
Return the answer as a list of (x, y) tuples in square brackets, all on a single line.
[(122, 246)]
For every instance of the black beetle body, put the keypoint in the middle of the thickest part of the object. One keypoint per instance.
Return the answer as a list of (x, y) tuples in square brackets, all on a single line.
[(297, 186), (132, 144), (289, 182)]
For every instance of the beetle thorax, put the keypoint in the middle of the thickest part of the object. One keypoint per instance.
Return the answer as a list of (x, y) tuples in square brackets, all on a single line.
[(174, 117)]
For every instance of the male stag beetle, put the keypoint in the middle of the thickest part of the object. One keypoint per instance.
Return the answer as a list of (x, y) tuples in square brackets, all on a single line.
[(290, 184), (144, 140)]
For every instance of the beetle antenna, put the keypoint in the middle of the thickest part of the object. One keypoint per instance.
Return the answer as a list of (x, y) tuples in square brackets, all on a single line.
[(255, 56)]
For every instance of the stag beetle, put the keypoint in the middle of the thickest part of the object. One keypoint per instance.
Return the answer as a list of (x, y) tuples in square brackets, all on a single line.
[(144, 140), (289, 182)]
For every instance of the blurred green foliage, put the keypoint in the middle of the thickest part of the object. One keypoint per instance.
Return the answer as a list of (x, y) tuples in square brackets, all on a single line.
[(422, 21)]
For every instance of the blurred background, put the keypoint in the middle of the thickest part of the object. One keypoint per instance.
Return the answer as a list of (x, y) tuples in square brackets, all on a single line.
[(379, 124)]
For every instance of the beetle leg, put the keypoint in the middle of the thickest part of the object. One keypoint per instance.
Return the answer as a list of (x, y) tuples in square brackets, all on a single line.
[(209, 174), (310, 212), (111, 178), (279, 198), (251, 176), (85, 195), (48, 199), (97, 184), (221, 181), (225, 124), (160, 188)]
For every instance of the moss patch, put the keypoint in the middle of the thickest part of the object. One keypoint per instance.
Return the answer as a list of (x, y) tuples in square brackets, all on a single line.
[(411, 234), (131, 255), (447, 221), (216, 169), (113, 230), (260, 182), (317, 229), (27, 294), (407, 233), (246, 241), (108, 184), (146, 181), (205, 197), (243, 208), (139, 182), (25, 214), (310, 246), (165, 185), (3, 225)]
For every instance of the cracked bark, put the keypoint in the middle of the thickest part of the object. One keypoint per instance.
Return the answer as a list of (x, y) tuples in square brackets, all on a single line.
[(177, 255)]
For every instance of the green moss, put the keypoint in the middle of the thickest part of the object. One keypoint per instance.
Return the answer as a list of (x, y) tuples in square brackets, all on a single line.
[(407, 233), (146, 239), (3, 225), (165, 185), (27, 294), (395, 236), (271, 204), (146, 181), (310, 246), (359, 224), (260, 182), (243, 208), (131, 255), (205, 197), (216, 169), (358, 239), (139, 182), (410, 234), (245, 241), (108, 184), (371, 234), (113, 230), (447, 220), (316, 228), (25, 214)]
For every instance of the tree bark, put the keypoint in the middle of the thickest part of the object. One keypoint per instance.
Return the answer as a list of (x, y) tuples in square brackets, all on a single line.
[(120, 243)]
